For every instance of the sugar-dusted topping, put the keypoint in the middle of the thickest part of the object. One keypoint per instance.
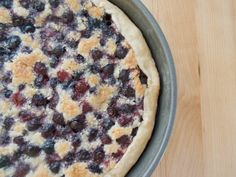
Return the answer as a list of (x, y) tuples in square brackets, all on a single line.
[(19, 10), (62, 147), (70, 65), (117, 132), (93, 80), (8, 149), (35, 138), (74, 5), (79, 170), (42, 171), (17, 129), (111, 46), (67, 106), (4, 15), (86, 45), (40, 19), (95, 12), (130, 61), (139, 87), (100, 100), (111, 148)]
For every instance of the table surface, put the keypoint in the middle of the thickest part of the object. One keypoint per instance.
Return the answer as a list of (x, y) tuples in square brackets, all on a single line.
[(202, 37)]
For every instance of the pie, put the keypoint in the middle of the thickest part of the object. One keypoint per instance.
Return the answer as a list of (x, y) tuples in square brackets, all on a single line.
[(78, 89)]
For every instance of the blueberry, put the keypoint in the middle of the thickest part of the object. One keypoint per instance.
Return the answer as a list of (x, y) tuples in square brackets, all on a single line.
[(107, 124), (94, 168), (86, 33), (39, 100), (58, 118), (32, 150), (124, 76), (4, 161), (28, 28), (119, 38), (54, 62), (83, 155), (55, 167), (7, 77), (96, 54), (126, 109), (112, 110), (25, 3), (54, 100), (80, 58), (6, 3), (105, 139), (76, 141), (107, 19), (48, 130), (21, 170), (40, 68), (33, 124), (54, 3), (124, 141), (69, 158), (48, 146), (121, 52), (92, 89), (7, 93), (13, 42), (134, 131), (19, 140), (4, 139), (41, 80), (38, 5), (68, 17), (95, 68), (53, 82), (77, 125), (98, 155), (8, 122), (108, 70), (21, 87), (58, 51), (93, 134), (18, 20), (128, 91)]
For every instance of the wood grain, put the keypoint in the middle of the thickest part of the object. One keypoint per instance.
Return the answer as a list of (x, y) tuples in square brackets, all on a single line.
[(202, 37)]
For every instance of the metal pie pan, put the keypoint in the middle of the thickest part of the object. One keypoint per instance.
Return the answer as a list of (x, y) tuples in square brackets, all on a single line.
[(165, 116)]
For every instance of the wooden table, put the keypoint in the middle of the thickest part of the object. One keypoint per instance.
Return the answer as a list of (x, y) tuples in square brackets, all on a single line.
[(202, 37)]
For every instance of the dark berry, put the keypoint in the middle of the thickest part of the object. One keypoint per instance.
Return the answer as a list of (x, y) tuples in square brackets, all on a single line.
[(96, 54), (58, 51), (40, 68), (8, 122), (17, 20), (50, 158), (119, 38), (4, 161), (69, 158), (16, 155), (86, 33), (95, 68), (108, 70), (126, 108), (13, 42), (54, 61), (128, 91), (112, 110), (38, 5), (55, 167), (21, 87), (19, 140), (63, 76), (33, 124), (54, 3), (123, 120), (78, 76), (134, 131), (121, 52), (107, 124), (81, 88), (39, 100), (118, 154), (6, 3), (93, 134), (92, 90), (107, 19), (76, 141), (103, 41), (41, 80), (25, 116), (22, 170), (7, 77), (53, 100), (58, 118), (53, 82), (32, 150), (18, 99), (68, 17), (143, 77), (124, 76), (86, 107), (105, 139), (83, 155), (124, 141), (98, 155), (4, 139), (80, 58), (77, 125), (25, 3), (94, 168), (48, 130), (28, 28), (48, 146)]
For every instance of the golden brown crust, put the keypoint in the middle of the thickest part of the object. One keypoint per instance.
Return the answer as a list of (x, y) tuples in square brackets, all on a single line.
[(147, 65), (79, 170), (86, 45), (4, 15)]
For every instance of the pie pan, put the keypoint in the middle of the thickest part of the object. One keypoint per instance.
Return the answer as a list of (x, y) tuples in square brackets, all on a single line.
[(143, 19)]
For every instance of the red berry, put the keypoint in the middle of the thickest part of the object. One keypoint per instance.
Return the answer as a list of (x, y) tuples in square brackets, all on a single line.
[(63, 76), (18, 99), (86, 108)]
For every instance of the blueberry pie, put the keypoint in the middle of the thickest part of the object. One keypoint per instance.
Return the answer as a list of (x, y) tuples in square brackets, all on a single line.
[(78, 89)]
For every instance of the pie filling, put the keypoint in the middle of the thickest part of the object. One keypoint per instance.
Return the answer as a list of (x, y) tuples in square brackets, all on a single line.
[(71, 92)]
